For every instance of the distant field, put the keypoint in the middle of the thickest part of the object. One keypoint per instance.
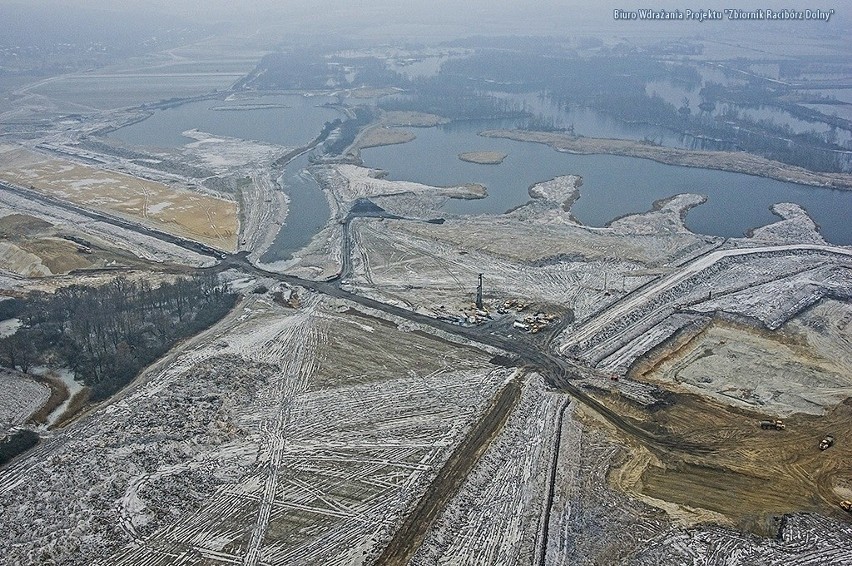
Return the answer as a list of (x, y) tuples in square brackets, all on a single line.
[(192, 70), (181, 212), (106, 91)]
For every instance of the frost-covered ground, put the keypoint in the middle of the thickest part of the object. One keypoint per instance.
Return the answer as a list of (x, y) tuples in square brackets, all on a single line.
[(500, 510), (351, 182), (276, 437), (304, 437), (20, 397)]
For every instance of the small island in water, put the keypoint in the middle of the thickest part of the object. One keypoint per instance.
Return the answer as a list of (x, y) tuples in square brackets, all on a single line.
[(483, 157)]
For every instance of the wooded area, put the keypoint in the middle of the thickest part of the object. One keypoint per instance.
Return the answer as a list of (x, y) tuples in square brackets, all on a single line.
[(107, 334)]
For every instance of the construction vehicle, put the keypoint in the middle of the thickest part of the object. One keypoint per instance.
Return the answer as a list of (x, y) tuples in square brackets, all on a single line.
[(777, 424), (846, 505), (826, 442)]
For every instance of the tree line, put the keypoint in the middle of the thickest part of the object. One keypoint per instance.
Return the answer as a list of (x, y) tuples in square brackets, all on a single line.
[(108, 334)]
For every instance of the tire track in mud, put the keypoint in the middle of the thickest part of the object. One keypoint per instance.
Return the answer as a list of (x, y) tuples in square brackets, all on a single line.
[(240, 512), (408, 538), (292, 381)]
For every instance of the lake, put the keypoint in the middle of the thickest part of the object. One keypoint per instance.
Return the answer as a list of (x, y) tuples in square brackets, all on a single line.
[(288, 120), (612, 185)]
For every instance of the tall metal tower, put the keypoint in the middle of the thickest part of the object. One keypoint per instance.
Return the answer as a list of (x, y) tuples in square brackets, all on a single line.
[(479, 293)]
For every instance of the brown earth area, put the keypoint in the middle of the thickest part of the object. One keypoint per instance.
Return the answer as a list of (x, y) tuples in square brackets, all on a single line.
[(58, 395), (378, 339), (380, 135), (53, 248), (746, 473), (714, 461), (17, 225), (200, 217), (60, 256), (78, 402)]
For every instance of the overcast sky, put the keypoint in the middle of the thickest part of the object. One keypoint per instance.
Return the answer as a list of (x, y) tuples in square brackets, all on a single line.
[(447, 18)]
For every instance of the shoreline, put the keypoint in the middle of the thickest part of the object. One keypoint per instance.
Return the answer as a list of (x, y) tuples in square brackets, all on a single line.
[(734, 162)]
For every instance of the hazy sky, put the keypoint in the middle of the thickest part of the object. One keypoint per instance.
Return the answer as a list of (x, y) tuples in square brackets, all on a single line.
[(439, 19)]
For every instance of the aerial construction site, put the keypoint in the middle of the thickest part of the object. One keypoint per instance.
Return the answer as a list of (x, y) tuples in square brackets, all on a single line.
[(406, 383)]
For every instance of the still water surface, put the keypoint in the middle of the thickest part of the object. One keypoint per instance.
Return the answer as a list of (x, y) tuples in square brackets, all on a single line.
[(612, 185), (293, 120)]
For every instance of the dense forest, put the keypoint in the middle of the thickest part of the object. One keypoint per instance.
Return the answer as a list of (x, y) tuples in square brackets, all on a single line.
[(107, 334), (297, 69)]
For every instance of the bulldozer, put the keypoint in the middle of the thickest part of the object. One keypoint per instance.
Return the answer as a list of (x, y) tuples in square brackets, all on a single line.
[(776, 424)]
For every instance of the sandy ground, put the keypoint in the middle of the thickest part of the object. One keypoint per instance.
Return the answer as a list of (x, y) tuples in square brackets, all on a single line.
[(381, 135), (120, 245), (32, 247), (769, 372), (196, 216), (721, 467)]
